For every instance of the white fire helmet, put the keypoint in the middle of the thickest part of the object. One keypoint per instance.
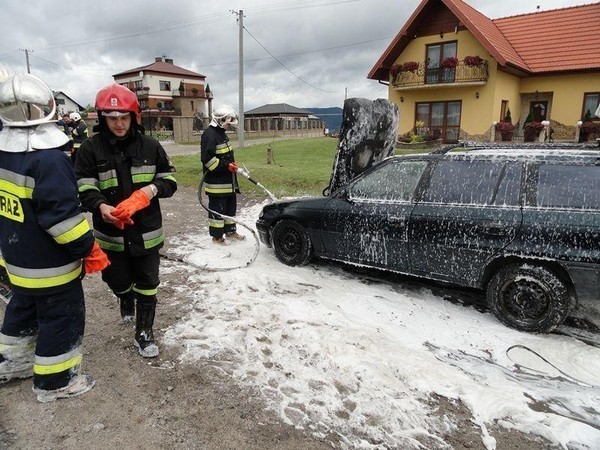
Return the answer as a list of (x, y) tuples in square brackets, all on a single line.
[(224, 115), (25, 101), (74, 116)]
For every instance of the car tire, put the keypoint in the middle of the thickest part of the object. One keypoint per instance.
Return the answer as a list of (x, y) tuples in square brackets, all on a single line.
[(291, 243), (528, 298)]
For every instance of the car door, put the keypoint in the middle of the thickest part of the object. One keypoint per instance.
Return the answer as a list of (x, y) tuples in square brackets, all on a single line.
[(470, 210), (365, 223)]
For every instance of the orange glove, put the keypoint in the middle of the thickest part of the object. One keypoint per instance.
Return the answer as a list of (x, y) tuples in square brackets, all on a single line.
[(120, 224), (128, 207), (96, 260), (232, 167)]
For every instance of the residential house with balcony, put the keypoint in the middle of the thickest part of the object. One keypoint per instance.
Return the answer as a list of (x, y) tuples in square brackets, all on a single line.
[(65, 104), (165, 90), (460, 72)]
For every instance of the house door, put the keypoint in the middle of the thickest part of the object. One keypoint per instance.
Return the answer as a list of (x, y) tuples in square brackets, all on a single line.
[(441, 118), (538, 110)]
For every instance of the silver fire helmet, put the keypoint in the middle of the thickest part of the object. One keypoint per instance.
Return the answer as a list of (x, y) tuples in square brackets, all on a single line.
[(25, 101)]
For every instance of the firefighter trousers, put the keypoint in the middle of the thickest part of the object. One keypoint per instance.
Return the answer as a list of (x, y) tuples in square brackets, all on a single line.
[(218, 225), (58, 320), (127, 274)]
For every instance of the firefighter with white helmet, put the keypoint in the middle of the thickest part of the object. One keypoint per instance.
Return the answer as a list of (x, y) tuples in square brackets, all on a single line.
[(220, 179), (79, 132), (46, 245), (121, 175)]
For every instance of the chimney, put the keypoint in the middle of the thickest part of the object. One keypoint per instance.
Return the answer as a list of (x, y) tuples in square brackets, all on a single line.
[(157, 58), (169, 60)]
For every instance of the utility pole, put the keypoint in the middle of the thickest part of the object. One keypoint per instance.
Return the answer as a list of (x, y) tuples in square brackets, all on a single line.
[(26, 58), (240, 19)]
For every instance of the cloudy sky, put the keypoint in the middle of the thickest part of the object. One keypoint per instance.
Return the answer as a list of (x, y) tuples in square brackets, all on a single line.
[(308, 53)]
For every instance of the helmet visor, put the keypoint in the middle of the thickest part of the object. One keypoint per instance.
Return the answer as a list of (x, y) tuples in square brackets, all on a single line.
[(25, 100)]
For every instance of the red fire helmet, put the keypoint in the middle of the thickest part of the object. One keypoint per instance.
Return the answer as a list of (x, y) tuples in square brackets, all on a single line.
[(117, 98)]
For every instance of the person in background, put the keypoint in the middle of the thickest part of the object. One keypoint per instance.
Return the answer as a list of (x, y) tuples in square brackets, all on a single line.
[(121, 175), (220, 178), (46, 246), (79, 130), (63, 125)]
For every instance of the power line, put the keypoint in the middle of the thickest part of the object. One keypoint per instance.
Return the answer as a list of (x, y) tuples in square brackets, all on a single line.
[(285, 67)]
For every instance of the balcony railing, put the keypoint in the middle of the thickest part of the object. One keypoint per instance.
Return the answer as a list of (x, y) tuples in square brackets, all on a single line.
[(424, 75)]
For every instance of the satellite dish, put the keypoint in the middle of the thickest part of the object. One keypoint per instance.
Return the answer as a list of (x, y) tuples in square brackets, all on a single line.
[(141, 73)]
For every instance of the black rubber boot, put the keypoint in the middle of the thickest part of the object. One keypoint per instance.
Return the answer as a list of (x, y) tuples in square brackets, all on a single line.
[(144, 336), (127, 302)]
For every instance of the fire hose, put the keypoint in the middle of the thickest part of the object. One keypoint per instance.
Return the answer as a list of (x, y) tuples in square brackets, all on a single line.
[(246, 174)]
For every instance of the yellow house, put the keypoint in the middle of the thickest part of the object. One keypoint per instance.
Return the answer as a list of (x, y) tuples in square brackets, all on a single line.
[(460, 72)]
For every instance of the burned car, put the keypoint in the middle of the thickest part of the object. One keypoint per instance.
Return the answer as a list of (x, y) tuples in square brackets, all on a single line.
[(521, 224)]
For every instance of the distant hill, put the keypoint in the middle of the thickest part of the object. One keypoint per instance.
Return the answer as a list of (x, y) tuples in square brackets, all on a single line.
[(331, 116)]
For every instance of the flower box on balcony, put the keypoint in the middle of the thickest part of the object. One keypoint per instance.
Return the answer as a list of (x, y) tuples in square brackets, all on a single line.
[(450, 63), (473, 61)]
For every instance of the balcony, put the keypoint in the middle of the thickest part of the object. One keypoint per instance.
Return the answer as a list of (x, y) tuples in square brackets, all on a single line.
[(424, 76)]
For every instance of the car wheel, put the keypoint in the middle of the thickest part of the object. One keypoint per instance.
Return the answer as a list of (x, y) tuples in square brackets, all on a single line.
[(528, 298), (291, 243)]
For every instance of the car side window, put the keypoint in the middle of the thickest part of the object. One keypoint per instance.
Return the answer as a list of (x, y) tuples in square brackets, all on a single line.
[(509, 185), (465, 182), (394, 181), (564, 186)]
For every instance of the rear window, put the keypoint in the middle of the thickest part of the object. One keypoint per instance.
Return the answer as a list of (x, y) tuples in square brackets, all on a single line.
[(576, 187), (474, 182)]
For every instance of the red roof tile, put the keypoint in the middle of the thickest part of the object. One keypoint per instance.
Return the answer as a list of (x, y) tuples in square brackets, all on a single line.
[(557, 40)]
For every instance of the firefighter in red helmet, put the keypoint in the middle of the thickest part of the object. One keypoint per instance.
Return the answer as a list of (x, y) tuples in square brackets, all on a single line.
[(121, 174)]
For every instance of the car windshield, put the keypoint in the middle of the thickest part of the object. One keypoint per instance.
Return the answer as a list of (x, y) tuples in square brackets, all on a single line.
[(395, 181)]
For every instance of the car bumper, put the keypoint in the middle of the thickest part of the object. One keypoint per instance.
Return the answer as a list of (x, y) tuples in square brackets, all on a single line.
[(264, 233)]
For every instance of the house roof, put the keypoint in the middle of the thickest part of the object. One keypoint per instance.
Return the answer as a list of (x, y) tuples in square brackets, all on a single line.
[(558, 40), (278, 109), (57, 93), (161, 67), (548, 41)]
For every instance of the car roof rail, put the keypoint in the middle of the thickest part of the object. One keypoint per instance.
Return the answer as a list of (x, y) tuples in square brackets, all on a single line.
[(473, 145)]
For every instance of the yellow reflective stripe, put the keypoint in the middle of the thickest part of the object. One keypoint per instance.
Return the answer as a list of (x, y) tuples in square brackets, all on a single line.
[(115, 247), (46, 282), (125, 291), (111, 182), (142, 177), (218, 191), (145, 291), (39, 369), (215, 223), (19, 191), (74, 233), (212, 163), (222, 149)]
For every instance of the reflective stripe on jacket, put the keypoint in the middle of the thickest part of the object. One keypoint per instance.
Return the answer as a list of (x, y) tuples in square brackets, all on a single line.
[(216, 154), (108, 171), (43, 233)]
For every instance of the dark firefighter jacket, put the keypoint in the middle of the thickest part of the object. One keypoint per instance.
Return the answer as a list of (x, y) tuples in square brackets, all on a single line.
[(79, 133), (216, 154), (108, 171), (43, 233)]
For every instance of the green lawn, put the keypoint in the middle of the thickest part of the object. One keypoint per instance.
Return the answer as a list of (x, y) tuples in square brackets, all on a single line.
[(301, 167)]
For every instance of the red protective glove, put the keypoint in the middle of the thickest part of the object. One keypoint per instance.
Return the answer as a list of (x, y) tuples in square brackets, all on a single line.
[(128, 207), (96, 260), (232, 167), (120, 224)]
